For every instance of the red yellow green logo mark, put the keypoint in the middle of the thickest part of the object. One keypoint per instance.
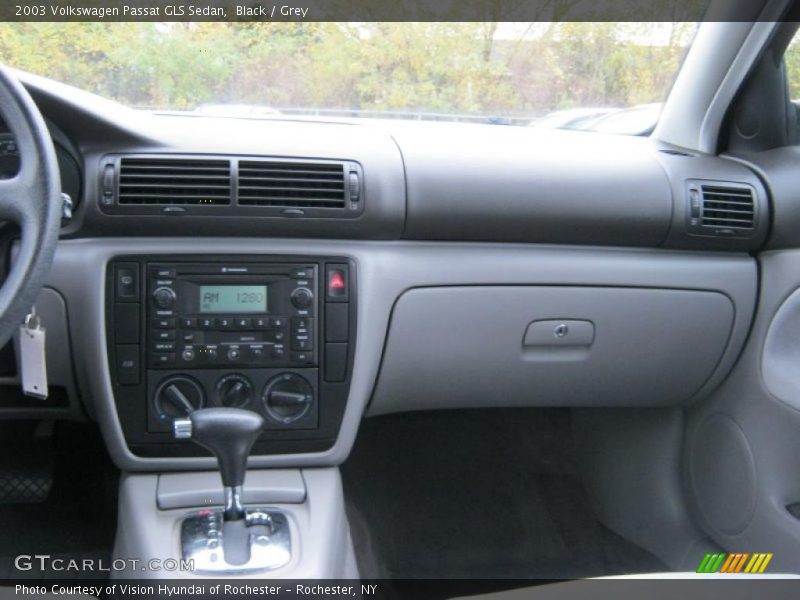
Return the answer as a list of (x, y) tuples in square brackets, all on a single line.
[(738, 562)]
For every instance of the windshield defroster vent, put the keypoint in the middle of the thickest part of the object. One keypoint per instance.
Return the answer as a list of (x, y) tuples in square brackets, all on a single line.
[(292, 184), (720, 208), (162, 181)]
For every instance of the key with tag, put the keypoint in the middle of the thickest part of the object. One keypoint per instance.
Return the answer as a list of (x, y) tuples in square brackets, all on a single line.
[(33, 367)]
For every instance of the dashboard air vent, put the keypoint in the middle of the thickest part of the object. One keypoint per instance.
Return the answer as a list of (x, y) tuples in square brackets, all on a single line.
[(730, 207), (292, 184), (183, 181), (722, 208)]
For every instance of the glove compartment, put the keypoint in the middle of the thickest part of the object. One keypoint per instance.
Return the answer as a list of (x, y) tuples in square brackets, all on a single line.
[(481, 346)]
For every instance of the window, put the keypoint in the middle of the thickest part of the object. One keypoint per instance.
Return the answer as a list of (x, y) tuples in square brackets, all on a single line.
[(566, 75)]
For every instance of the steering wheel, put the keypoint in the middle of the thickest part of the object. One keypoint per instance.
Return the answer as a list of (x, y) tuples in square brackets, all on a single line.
[(31, 200)]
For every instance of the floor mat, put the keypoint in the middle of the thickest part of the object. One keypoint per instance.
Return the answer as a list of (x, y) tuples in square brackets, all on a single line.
[(477, 494), (78, 518)]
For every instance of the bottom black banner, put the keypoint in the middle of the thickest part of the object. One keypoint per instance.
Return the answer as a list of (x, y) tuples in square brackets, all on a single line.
[(229, 589)]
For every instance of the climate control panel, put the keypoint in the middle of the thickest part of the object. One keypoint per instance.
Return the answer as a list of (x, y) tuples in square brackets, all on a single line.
[(270, 334), (286, 399)]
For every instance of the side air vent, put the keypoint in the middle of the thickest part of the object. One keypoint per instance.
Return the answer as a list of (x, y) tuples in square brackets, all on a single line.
[(719, 208), (160, 181), (293, 184)]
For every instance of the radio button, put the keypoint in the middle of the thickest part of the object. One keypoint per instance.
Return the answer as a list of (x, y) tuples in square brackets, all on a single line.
[(224, 323), (163, 359), (302, 344), (260, 323), (164, 347), (302, 273), (257, 352), (302, 333), (300, 323), (188, 323), (164, 323), (277, 322), (234, 354), (206, 323), (165, 335), (303, 358), (242, 323), (188, 355)]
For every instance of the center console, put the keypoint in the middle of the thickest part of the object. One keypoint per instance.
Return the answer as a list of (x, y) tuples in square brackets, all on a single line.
[(274, 335)]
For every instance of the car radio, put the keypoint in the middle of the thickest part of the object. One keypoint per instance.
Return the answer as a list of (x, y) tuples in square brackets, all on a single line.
[(206, 315)]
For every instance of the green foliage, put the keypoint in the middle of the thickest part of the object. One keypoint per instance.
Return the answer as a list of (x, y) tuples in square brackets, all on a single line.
[(421, 67), (792, 59)]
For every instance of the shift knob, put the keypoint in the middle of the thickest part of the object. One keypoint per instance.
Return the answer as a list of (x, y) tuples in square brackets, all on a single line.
[(228, 433)]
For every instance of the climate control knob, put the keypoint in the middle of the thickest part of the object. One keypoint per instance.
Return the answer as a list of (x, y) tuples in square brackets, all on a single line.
[(164, 297), (287, 398), (177, 396), (302, 297), (234, 391)]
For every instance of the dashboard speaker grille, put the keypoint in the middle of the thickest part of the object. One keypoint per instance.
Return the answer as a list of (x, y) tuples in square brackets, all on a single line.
[(174, 181), (731, 207), (292, 184)]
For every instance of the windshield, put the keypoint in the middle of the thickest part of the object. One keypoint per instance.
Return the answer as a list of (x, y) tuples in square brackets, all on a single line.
[(549, 75)]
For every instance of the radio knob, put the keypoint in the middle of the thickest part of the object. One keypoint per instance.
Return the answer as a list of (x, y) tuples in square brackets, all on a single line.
[(164, 297), (302, 297), (234, 391)]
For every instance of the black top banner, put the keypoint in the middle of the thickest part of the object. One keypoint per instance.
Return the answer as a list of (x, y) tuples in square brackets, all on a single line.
[(381, 10)]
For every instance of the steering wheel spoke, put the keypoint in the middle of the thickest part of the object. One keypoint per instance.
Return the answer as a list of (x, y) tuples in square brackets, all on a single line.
[(12, 198)]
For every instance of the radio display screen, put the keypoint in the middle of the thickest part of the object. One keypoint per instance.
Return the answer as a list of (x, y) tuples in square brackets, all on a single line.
[(233, 298)]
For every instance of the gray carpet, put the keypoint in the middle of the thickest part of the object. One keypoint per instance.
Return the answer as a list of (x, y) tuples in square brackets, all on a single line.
[(477, 494)]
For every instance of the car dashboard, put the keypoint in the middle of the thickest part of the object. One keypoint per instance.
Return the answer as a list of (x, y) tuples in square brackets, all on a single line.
[(317, 272)]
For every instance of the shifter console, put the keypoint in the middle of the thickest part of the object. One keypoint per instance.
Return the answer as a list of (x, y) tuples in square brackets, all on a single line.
[(233, 539), (268, 544)]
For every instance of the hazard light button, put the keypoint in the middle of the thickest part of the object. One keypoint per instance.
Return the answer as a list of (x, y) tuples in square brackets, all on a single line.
[(338, 283)]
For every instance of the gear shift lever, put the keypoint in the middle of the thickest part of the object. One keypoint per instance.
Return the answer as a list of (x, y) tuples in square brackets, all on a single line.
[(229, 433)]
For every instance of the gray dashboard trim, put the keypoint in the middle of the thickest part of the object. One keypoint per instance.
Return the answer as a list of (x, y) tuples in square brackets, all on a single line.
[(385, 271)]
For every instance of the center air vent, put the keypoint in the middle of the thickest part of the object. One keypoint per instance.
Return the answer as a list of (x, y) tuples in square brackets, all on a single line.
[(174, 181), (719, 208), (292, 184), (231, 186)]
